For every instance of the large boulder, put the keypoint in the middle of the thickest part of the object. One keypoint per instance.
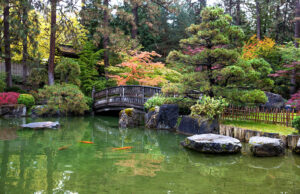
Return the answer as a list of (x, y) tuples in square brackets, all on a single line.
[(130, 117), (167, 116), (274, 101), (41, 125), (266, 146), (213, 143), (201, 125), (14, 110), (297, 148)]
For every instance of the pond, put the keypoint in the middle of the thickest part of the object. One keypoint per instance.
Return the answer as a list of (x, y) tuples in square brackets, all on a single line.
[(54, 161)]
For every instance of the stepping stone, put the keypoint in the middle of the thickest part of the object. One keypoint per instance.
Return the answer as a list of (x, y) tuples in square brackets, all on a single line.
[(297, 148), (213, 143), (266, 146), (41, 125)]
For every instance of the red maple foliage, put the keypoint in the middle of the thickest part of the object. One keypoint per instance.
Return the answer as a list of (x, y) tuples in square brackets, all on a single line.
[(140, 69), (9, 98), (295, 100)]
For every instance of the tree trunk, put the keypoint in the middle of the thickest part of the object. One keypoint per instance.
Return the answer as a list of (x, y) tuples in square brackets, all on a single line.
[(25, 43), (258, 23), (297, 25), (52, 43), (106, 37), (7, 44), (238, 12), (134, 29)]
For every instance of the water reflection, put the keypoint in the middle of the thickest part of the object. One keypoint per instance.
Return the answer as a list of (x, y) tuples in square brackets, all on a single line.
[(31, 162)]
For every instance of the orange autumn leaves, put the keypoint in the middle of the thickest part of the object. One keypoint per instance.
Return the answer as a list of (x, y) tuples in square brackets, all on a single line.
[(140, 69), (256, 48)]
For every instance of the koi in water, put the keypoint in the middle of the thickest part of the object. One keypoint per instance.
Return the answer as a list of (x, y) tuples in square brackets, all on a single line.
[(123, 148), (87, 142)]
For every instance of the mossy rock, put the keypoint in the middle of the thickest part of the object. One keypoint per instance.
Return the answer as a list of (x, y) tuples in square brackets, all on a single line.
[(128, 112)]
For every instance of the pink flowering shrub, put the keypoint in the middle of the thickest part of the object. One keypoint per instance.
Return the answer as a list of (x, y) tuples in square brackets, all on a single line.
[(295, 100), (9, 98)]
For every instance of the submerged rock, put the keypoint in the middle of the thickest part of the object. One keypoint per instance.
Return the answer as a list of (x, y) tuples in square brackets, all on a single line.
[(265, 146), (213, 143), (297, 148), (201, 125), (41, 125)]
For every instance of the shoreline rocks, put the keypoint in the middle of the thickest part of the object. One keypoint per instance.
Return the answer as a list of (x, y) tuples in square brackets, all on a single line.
[(167, 116), (13, 110), (297, 148), (213, 143), (265, 146), (130, 117), (190, 125)]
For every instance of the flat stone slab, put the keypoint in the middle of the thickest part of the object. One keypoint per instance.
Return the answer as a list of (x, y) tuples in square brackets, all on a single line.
[(297, 148), (41, 125), (266, 146), (213, 143)]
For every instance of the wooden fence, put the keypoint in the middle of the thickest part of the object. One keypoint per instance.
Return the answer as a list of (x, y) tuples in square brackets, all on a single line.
[(274, 116)]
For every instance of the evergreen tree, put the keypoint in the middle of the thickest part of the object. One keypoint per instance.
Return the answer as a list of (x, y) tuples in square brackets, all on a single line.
[(212, 52)]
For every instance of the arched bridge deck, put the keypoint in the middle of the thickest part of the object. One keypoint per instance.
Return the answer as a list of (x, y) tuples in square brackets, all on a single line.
[(118, 98)]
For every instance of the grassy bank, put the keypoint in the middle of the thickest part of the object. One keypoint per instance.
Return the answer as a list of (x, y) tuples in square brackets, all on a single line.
[(257, 126)]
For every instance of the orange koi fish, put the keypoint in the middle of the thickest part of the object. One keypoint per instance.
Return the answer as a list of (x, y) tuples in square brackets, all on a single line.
[(64, 147), (87, 142), (123, 148)]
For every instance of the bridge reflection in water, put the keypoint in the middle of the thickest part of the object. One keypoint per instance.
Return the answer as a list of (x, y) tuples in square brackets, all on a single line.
[(118, 98)]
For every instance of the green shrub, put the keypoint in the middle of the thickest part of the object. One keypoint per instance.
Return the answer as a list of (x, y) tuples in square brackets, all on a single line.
[(38, 77), (15, 89), (66, 97), (2, 82), (69, 71), (89, 102), (2, 86), (27, 100), (209, 107), (296, 123), (154, 101)]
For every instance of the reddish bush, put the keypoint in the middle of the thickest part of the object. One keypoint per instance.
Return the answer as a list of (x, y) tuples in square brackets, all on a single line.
[(9, 98), (295, 100)]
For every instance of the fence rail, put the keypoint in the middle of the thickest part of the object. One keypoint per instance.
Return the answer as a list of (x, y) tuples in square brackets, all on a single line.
[(274, 116)]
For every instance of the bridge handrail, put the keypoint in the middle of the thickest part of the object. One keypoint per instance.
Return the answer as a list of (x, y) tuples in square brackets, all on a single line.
[(114, 91)]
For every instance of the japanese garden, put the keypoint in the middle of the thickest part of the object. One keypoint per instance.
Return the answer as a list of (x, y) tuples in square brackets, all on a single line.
[(149, 96)]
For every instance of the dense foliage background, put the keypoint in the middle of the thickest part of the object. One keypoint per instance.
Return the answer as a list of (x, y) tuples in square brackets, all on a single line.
[(235, 49)]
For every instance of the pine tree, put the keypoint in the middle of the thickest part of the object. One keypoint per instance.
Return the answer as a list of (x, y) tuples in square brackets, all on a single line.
[(212, 52)]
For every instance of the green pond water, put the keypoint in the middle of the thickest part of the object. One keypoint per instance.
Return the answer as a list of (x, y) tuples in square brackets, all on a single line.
[(34, 161)]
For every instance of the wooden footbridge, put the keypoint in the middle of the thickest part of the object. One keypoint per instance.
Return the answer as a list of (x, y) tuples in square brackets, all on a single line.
[(121, 97)]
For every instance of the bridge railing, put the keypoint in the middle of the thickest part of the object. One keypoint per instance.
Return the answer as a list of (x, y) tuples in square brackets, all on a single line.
[(130, 95)]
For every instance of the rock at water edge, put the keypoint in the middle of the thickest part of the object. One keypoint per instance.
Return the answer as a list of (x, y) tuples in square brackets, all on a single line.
[(213, 143), (266, 146)]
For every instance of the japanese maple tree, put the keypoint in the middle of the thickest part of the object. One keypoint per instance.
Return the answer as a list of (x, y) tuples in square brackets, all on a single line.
[(138, 68)]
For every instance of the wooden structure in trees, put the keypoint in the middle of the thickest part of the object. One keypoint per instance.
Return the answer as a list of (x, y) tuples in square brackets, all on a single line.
[(121, 97)]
